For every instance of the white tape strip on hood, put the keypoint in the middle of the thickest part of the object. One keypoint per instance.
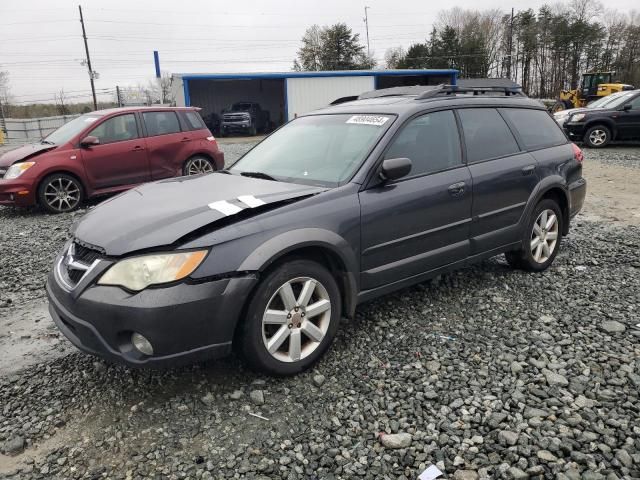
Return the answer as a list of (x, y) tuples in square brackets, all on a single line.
[(251, 201), (225, 207)]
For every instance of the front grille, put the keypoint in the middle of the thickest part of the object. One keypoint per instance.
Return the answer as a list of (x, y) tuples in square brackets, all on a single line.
[(78, 260), (86, 255)]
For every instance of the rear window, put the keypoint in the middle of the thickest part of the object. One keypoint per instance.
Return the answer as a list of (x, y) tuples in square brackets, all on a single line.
[(161, 123), (536, 127), (194, 121), (486, 134)]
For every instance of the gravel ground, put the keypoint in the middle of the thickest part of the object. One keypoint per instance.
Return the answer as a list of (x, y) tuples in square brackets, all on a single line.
[(486, 373)]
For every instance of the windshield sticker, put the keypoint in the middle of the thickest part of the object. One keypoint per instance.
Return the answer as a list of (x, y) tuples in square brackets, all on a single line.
[(90, 119), (375, 120)]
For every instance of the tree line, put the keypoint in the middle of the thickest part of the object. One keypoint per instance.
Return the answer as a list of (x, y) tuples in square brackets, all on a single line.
[(545, 51)]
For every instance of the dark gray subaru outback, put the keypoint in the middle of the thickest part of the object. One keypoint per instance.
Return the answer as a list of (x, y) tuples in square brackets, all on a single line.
[(335, 208)]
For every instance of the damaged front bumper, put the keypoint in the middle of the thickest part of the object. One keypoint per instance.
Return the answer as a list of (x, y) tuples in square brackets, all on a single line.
[(185, 322)]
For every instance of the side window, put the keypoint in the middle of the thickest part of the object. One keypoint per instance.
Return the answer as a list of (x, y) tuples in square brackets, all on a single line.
[(116, 129), (635, 103), (194, 121), (486, 134), (430, 141), (161, 123), (536, 127)]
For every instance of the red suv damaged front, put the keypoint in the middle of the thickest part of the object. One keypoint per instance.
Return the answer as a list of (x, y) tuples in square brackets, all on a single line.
[(107, 151)]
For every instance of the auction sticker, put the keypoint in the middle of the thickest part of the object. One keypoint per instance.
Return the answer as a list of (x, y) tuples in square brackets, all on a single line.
[(375, 120)]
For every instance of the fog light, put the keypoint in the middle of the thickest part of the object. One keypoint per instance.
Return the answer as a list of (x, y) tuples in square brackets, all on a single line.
[(142, 344)]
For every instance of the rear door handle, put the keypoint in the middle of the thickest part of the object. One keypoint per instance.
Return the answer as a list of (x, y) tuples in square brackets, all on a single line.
[(186, 139), (456, 189), (137, 147), (528, 170)]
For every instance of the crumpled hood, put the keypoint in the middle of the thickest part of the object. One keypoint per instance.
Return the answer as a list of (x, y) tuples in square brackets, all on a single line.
[(160, 213), (22, 153)]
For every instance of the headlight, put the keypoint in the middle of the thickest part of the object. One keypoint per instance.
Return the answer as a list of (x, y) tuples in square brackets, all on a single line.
[(577, 117), (18, 169), (137, 273)]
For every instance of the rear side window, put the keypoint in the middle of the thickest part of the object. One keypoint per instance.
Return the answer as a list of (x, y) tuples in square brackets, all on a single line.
[(536, 127), (194, 121), (161, 123), (116, 129), (486, 134), (430, 141)]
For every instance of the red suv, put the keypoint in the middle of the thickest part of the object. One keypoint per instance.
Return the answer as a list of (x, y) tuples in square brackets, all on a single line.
[(107, 151)]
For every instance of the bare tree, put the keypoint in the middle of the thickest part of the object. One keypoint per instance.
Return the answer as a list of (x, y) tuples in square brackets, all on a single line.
[(164, 86), (60, 99), (393, 56)]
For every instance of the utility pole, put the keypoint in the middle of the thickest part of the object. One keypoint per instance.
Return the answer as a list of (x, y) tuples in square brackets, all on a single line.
[(366, 23), (510, 46), (118, 96), (86, 49)]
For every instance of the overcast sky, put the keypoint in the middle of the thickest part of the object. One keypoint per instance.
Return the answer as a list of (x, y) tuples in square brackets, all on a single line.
[(41, 44)]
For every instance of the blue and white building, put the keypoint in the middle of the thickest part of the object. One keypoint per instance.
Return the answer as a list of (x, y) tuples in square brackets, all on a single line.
[(289, 94)]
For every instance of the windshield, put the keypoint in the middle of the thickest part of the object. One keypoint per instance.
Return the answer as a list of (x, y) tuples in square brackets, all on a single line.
[(318, 150), (611, 101), (241, 107), (70, 129)]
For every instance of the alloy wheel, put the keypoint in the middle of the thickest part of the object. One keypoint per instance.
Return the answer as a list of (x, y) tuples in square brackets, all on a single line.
[(544, 236), (198, 166), (598, 137), (296, 319), (62, 194)]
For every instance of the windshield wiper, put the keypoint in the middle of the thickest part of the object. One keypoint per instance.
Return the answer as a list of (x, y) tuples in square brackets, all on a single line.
[(262, 175), (46, 142)]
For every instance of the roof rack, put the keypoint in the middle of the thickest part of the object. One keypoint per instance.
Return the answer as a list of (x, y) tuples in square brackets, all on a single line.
[(447, 90)]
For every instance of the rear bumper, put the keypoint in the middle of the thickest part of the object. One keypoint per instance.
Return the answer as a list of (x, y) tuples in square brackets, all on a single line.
[(577, 194), (18, 192), (184, 323)]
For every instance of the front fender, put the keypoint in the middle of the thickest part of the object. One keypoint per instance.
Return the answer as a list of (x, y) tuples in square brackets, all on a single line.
[(607, 122)]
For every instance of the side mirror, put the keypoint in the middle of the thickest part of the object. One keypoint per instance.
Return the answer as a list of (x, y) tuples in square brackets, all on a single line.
[(394, 168), (89, 141), (626, 107)]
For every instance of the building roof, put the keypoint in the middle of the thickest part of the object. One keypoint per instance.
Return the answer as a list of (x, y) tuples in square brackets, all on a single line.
[(333, 73)]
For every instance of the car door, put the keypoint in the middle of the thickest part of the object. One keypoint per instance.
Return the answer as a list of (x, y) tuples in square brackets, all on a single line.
[(121, 156), (628, 121), (420, 222), (168, 145), (503, 178)]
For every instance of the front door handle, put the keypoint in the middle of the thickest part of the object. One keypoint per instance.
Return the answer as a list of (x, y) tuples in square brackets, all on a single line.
[(137, 147), (456, 189), (528, 170)]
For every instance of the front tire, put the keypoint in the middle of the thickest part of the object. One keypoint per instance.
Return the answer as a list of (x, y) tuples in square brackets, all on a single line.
[(60, 193), (542, 237), (291, 319), (198, 166), (597, 136)]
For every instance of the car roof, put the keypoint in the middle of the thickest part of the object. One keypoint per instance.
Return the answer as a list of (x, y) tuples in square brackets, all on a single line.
[(110, 111), (402, 104)]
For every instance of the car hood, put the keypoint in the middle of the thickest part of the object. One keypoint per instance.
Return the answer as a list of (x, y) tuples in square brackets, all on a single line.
[(23, 153), (161, 213)]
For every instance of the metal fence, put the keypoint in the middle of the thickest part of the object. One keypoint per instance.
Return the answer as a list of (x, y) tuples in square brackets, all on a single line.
[(25, 130)]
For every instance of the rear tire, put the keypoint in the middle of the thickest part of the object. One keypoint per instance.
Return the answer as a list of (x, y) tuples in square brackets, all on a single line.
[(541, 240), (291, 319), (60, 193), (597, 136)]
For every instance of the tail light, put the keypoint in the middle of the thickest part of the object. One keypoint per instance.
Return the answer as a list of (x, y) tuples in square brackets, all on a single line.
[(577, 153)]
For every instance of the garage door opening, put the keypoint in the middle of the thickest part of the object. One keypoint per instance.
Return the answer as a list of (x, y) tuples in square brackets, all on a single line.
[(215, 97)]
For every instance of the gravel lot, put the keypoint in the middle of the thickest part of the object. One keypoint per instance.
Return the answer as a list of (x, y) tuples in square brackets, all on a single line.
[(486, 373)]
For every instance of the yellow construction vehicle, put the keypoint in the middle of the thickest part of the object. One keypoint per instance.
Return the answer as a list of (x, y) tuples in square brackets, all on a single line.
[(594, 85)]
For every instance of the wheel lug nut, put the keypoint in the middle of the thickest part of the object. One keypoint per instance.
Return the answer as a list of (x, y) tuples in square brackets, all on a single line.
[(290, 325), (296, 309), (289, 315), (302, 314)]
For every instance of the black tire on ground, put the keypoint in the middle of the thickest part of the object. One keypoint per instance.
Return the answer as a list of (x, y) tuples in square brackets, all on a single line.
[(597, 136), (198, 165), (524, 258), (252, 336), (60, 193)]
